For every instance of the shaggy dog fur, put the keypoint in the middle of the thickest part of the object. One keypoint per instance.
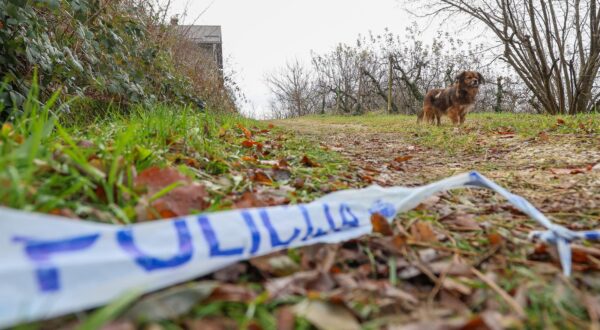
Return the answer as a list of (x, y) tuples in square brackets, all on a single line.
[(455, 101)]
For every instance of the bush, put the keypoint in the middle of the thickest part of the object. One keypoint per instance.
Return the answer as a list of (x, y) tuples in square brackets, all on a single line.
[(109, 51)]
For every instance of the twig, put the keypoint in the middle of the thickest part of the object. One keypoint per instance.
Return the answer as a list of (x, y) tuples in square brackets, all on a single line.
[(439, 284), (591, 310), (416, 262), (487, 255), (512, 303), (443, 248)]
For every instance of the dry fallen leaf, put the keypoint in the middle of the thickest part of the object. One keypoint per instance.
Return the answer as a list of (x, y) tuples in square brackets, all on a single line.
[(428, 203), (231, 274), (277, 265), (308, 162), (64, 212), (291, 285), (232, 293), (246, 132), (259, 199), (249, 143), (154, 179), (281, 174), (326, 316), (285, 318), (399, 241), (566, 171), (171, 303), (451, 284), (461, 222), (381, 225), (543, 136), (432, 324), (423, 232), (261, 177), (495, 239), (86, 144), (178, 202), (403, 159)]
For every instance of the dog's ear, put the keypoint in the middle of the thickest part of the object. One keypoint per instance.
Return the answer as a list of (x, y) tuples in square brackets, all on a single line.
[(480, 77), (460, 77)]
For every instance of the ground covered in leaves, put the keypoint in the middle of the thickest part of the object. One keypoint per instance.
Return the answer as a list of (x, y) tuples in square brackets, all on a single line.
[(463, 256), (461, 260)]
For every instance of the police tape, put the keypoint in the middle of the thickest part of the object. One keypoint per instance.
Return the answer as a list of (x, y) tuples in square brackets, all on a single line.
[(51, 266)]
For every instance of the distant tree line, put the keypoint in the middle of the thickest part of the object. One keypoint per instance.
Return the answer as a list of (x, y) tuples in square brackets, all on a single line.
[(543, 57), (388, 73)]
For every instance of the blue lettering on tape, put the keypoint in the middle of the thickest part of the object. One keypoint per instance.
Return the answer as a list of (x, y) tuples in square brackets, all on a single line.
[(213, 241), (349, 220), (309, 226), (255, 234), (387, 210), (48, 279), (149, 263), (40, 252), (276, 241), (592, 235), (330, 218)]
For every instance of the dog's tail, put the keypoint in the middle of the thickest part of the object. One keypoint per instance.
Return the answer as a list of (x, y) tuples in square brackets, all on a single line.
[(420, 116)]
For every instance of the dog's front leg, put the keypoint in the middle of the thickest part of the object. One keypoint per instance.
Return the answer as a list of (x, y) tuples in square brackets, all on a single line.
[(454, 114), (463, 113)]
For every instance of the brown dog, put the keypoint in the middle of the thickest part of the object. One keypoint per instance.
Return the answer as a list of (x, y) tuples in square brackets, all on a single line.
[(455, 101)]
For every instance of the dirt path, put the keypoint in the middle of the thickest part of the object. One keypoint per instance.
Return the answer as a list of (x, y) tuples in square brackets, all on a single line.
[(554, 171), (443, 248)]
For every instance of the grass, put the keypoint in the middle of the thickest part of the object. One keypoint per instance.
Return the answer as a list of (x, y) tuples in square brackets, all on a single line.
[(85, 167), (53, 165), (524, 126)]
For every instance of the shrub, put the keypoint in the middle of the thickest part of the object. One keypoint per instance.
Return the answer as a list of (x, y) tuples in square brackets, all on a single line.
[(109, 51)]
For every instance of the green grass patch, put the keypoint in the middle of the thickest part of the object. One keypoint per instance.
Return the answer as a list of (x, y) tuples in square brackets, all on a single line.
[(468, 137), (87, 167)]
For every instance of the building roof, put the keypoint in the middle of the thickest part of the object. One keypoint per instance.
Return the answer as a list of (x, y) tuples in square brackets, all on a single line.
[(204, 34)]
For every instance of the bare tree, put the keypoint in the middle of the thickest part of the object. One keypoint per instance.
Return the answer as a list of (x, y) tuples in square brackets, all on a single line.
[(338, 73), (419, 66), (293, 91), (355, 79), (553, 45)]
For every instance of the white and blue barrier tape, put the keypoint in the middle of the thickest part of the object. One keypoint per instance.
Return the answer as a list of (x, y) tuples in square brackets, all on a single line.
[(51, 266)]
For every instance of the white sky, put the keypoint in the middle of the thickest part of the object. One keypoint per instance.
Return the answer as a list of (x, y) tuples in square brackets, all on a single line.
[(259, 36)]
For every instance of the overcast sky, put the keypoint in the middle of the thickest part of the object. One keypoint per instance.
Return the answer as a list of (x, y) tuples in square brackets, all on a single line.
[(259, 36)]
